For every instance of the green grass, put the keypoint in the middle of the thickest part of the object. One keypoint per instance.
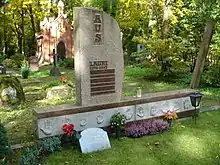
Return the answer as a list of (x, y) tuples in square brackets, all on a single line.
[(20, 120), (185, 144)]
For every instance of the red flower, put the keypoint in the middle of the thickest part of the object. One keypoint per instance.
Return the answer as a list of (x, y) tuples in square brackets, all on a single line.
[(68, 129)]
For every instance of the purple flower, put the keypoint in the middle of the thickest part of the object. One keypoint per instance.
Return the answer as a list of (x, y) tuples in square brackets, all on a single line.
[(145, 127)]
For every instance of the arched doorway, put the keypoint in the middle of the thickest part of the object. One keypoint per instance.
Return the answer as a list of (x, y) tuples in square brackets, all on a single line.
[(61, 50)]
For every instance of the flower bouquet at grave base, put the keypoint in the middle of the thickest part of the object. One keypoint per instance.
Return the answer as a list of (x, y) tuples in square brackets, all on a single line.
[(169, 116), (70, 137), (117, 122), (63, 79)]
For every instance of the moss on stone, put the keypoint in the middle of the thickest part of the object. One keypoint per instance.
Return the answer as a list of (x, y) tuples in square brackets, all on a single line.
[(7, 81)]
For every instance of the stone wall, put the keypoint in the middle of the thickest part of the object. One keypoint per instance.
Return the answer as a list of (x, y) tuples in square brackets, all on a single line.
[(51, 119)]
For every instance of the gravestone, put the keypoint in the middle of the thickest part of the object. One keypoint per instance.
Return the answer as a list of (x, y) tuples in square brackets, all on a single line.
[(99, 64), (2, 69), (33, 63), (94, 139)]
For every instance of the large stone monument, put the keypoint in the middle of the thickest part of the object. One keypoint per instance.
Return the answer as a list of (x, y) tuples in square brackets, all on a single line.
[(98, 57), (99, 74)]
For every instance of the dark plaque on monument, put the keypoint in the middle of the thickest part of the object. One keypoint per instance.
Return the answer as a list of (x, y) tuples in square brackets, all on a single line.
[(102, 79)]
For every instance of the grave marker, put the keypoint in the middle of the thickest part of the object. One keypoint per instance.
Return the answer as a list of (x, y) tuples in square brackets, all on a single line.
[(94, 139), (99, 64)]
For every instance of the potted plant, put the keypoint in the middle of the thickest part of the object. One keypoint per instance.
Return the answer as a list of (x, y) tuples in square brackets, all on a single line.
[(70, 136), (117, 122), (170, 116)]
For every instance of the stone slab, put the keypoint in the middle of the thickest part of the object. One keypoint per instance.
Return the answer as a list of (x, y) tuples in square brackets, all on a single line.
[(94, 139), (99, 64)]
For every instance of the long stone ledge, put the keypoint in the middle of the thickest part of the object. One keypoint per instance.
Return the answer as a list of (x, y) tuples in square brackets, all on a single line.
[(68, 109)]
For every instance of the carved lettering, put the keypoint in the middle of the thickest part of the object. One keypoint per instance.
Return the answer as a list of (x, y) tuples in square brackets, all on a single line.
[(98, 65), (98, 38), (97, 18), (98, 27)]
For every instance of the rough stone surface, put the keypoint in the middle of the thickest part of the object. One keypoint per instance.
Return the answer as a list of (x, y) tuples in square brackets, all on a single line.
[(33, 63), (11, 90), (59, 92), (98, 57)]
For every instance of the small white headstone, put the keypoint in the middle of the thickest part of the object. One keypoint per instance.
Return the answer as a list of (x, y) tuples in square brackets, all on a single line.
[(94, 139)]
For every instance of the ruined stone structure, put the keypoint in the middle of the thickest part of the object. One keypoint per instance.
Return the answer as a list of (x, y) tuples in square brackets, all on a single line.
[(56, 33)]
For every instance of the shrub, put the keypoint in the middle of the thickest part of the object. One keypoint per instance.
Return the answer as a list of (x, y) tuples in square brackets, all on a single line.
[(68, 63), (18, 59), (61, 63), (5, 148), (2, 58), (145, 127), (30, 157), (9, 63), (25, 72), (50, 145), (211, 77), (8, 81)]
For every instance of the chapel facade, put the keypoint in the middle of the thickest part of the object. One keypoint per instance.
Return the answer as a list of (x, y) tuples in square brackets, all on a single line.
[(56, 35)]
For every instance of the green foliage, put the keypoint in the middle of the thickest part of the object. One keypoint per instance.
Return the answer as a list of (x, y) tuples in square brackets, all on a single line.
[(5, 148), (39, 73), (2, 58), (67, 63), (30, 157), (13, 82), (18, 59), (71, 141), (118, 120), (9, 63), (138, 72), (53, 84), (211, 76), (50, 145), (25, 72)]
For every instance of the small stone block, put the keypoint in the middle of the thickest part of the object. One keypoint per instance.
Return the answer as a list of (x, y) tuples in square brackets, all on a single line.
[(94, 139)]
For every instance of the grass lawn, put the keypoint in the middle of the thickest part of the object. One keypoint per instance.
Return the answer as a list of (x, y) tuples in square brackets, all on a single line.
[(185, 144), (19, 120)]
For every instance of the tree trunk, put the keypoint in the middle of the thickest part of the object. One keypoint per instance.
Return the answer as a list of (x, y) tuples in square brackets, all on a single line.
[(22, 29), (5, 35), (203, 51), (32, 19), (165, 23)]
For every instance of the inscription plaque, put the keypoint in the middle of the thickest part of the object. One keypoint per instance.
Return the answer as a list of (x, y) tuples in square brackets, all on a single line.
[(102, 79)]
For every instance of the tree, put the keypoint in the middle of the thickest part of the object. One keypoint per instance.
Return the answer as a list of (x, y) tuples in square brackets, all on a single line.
[(209, 9)]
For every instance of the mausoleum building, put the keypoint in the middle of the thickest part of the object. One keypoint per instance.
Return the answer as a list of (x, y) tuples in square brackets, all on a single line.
[(56, 33)]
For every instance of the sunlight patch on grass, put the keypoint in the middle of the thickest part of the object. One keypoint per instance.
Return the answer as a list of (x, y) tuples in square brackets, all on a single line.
[(190, 144)]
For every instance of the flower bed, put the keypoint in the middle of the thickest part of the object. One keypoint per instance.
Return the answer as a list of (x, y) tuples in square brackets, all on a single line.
[(145, 127)]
